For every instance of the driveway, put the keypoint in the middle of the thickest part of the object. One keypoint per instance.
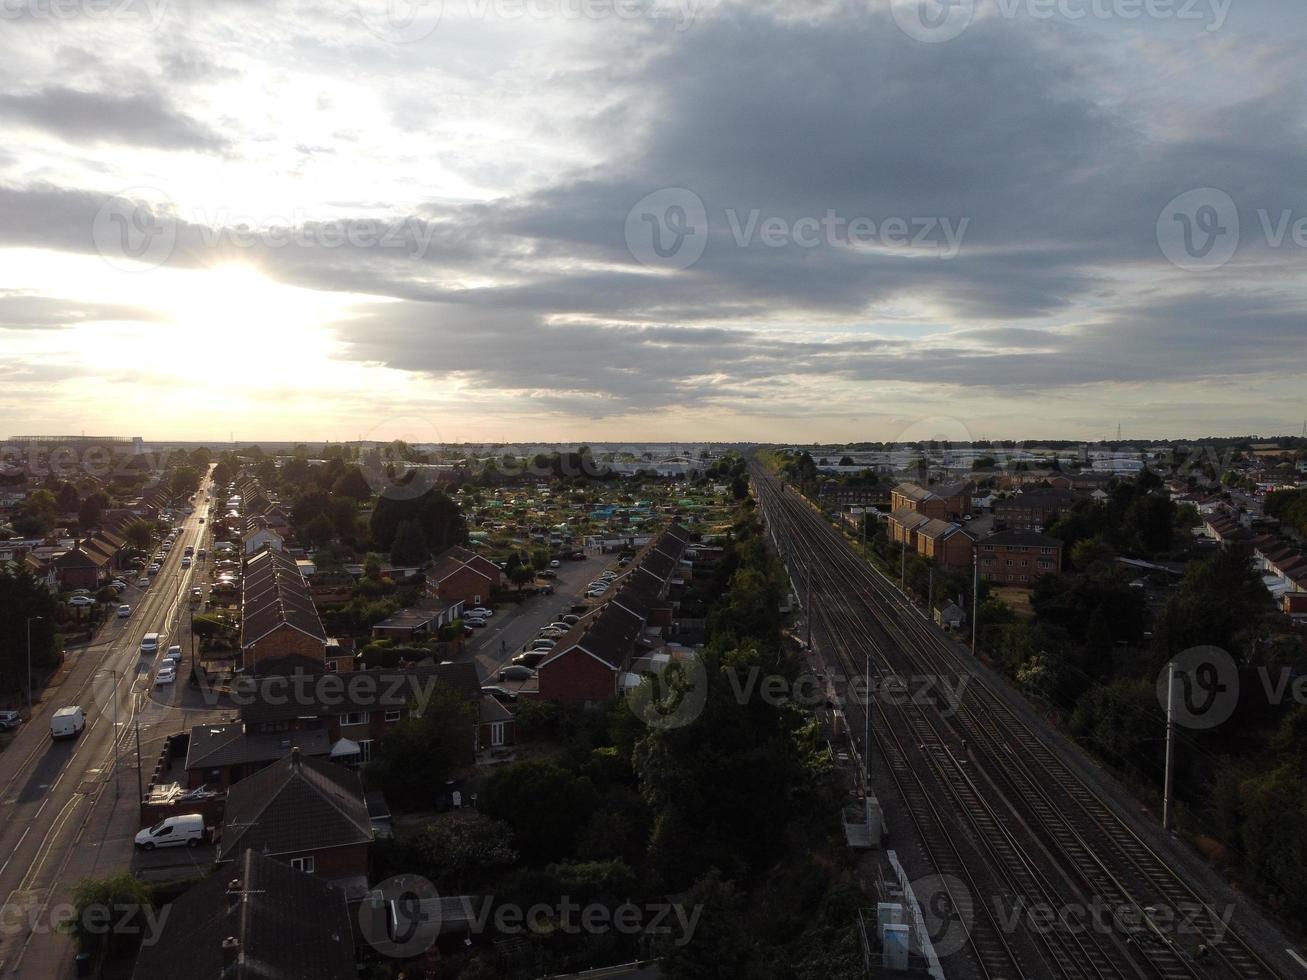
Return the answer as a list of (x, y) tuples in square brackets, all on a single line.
[(514, 626)]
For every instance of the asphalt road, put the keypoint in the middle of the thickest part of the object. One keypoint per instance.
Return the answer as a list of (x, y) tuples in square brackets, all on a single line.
[(67, 807), (514, 626)]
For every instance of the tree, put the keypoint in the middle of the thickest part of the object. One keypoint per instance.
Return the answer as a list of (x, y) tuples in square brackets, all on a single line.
[(38, 515), (185, 480), (418, 756), (99, 904), (68, 499), (544, 803), (409, 547), (23, 597), (441, 521), (138, 535), (721, 936), (458, 852), (846, 461), (92, 509), (318, 531), (353, 484)]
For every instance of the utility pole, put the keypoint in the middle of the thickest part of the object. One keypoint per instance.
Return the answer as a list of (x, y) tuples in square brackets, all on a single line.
[(1170, 747), (115, 735), (140, 788), (903, 566), (975, 597), (930, 592)]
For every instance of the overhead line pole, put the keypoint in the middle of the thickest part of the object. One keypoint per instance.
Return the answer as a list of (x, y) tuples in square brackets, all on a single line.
[(975, 597)]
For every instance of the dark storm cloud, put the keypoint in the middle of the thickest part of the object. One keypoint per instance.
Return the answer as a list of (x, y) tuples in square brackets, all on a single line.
[(144, 119)]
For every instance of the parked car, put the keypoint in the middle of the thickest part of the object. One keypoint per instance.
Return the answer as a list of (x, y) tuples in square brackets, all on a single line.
[(174, 654), (531, 658), (153, 569), (548, 573), (202, 554), (474, 623), (166, 675), (201, 520), (150, 643), (143, 582), (67, 722), (571, 619), (186, 563), (543, 643), (516, 672), (186, 828), (9, 719), (124, 610), (197, 593), (81, 600), (479, 613), (551, 633), (555, 563), (500, 694)]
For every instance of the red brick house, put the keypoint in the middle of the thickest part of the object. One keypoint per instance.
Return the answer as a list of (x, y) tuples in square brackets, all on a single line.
[(945, 502), (280, 628), (354, 712), (82, 567), (305, 812), (460, 575), (945, 543), (1019, 558), (219, 755)]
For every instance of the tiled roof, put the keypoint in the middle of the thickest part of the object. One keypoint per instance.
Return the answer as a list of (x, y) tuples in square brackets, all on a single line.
[(274, 593), (271, 698), (296, 804), (1022, 538), (289, 926)]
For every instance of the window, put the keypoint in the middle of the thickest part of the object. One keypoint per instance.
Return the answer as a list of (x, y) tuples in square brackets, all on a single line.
[(331, 667), (392, 716), (365, 751), (415, 713), (496, 733), (304, 864), (354, 718), (1008, 563)]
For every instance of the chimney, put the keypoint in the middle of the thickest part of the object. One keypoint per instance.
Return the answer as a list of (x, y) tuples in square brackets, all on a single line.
[(295, 757), (233, 894), (231, 955)]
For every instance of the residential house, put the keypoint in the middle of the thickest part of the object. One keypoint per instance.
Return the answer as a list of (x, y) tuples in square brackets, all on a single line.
[(355, 712), (460, 575), (280, 628), (1019, 558), (222, 754), (1032, 509), (306, 812), (263, 537), (941, 501), (945, 543), (408, 625), (82, 567), (256, 919)]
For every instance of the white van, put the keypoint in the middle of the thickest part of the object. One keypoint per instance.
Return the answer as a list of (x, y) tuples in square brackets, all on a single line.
[(188, 829), (150, 643), (67, 722)]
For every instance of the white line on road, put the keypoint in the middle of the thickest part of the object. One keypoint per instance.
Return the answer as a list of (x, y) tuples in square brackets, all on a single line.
[(1300, 961), (27, 831)]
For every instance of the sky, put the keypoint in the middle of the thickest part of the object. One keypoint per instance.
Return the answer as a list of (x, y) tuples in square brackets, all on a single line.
[(559, 220)]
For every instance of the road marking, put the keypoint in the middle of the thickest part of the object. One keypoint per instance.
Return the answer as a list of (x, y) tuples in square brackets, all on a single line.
[(26, 831), (1300, 961)]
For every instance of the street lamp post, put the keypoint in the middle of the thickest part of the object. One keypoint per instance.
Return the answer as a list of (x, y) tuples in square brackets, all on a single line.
[(30, 621)]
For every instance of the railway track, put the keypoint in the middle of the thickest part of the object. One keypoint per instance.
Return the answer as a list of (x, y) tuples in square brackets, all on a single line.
[(1092, 846)]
